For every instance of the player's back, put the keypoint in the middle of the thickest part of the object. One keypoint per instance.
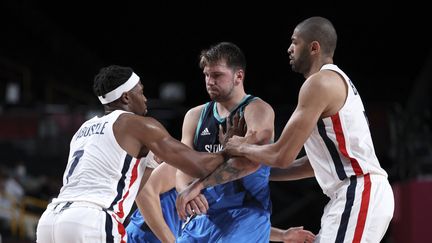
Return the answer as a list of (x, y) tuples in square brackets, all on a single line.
[(99, 170)]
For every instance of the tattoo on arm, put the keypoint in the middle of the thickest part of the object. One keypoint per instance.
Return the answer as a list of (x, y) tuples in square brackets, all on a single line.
[(224, 173)]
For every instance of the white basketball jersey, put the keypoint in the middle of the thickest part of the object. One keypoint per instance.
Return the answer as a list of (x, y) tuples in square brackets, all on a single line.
[(99, 170), (341, 146)]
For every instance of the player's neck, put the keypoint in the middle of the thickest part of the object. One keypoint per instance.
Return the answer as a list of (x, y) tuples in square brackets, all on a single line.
[(114, 106), (225, 107)]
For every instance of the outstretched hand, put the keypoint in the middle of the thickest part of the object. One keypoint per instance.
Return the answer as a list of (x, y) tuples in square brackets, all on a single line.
[(235, 126)]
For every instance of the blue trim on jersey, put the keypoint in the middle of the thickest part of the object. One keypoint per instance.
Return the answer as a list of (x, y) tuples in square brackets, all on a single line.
[(340, 171), (121, 184), (222, 119), (217, 116)]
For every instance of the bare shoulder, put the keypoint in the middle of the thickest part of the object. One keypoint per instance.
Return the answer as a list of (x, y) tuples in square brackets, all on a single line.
[(191, 119), (325, 88), (259, 115), (324, 79), (137, 123), (194, 112), (134, 133), (316, 86), (259, 105)]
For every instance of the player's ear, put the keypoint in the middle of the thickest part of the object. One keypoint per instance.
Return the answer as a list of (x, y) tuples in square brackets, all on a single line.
[(315, 47), (239, 76), (125, 98)]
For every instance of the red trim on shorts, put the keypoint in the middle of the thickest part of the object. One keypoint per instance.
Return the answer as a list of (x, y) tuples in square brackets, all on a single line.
[(121, 230), (361, 219)]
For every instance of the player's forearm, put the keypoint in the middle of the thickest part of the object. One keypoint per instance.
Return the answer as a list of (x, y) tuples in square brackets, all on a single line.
[(193, 163), (182, 180), (276, 234), (198, 165), (235, 168), (265, 154), (150, 207), (207, 162), (164, 235), (299, 169), (211, 166)]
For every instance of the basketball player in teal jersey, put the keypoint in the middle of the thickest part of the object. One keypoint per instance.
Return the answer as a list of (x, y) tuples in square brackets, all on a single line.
[(239, 211)]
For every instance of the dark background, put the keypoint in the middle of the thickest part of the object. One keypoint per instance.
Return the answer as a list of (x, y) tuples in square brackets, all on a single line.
[(382, 47), (54, 49)]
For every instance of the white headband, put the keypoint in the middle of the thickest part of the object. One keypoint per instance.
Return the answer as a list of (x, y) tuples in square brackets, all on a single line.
[(117, 92)]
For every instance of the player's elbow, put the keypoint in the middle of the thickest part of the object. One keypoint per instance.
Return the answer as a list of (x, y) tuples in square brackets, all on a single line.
[(264, 136), (283, 160)]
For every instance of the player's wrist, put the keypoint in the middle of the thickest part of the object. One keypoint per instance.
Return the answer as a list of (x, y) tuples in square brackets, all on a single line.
[(225, 155), (168, 238), (242, 149), (200, 184)]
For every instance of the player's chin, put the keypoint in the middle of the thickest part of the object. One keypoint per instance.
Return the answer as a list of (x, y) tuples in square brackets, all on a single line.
[(213, 95)]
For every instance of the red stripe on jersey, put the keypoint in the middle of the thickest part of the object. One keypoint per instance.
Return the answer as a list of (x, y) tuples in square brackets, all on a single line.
[(134, 176), (361, 220), (337, 126)]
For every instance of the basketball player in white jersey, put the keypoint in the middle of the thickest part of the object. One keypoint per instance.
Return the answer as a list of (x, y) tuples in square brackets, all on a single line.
[(330, 122), (106, 164)]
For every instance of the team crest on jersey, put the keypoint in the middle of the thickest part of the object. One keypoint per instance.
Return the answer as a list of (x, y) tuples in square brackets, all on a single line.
[(205, 132)]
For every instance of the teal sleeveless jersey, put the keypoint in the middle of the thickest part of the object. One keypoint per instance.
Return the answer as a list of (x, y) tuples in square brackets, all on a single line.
[(251, 190)]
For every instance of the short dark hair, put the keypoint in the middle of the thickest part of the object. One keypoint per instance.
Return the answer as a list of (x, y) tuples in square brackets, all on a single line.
[(227, 51), (109, 78), (319, 29)]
